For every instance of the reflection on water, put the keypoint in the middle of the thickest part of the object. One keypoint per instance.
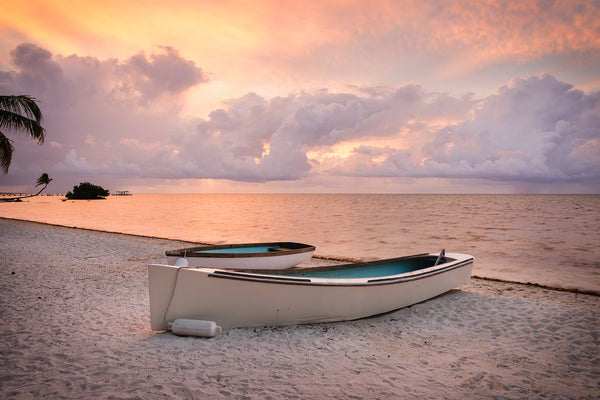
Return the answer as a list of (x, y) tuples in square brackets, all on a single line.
[(548, 239)]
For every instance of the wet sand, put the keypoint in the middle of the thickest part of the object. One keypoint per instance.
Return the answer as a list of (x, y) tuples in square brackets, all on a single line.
[(74, 306)]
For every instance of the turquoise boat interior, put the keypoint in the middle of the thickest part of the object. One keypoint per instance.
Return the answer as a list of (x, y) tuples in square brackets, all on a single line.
[(240, 250), (369, 271)]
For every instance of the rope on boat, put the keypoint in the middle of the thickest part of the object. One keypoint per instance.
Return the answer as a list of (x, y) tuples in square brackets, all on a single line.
[(188, 327), (180, 263), (171, 298)]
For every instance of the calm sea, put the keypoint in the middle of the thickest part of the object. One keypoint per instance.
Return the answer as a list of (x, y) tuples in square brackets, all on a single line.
[(547, 239)]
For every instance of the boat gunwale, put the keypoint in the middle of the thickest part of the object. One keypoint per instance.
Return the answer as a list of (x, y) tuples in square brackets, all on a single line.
[(450, 264), (199, 251)]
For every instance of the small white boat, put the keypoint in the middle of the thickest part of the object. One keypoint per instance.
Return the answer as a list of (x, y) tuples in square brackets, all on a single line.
[(300, 295), (271, 256)]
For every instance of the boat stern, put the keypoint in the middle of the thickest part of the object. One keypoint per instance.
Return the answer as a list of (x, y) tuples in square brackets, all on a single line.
[(161, 282)]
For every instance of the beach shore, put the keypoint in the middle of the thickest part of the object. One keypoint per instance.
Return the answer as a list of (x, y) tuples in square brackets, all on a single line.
[(74, 306)]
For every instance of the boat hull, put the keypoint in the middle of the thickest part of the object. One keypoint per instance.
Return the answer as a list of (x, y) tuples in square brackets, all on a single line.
[(259, 256), (237, 299)]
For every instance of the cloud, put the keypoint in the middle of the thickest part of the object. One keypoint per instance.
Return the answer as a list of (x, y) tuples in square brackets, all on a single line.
[(35, 63), (111, 118), (37, 71), (149, 78), (141, 78), (258, 139), (537, 129), (87, 113)]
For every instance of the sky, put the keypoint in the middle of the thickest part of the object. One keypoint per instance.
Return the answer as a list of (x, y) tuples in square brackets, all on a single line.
[(269, 96)]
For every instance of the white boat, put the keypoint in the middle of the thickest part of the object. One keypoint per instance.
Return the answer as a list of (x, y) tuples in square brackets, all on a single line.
[(271, 256), (300, 295)]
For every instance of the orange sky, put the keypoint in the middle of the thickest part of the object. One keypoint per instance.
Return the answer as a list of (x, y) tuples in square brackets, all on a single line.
[(260, 42)]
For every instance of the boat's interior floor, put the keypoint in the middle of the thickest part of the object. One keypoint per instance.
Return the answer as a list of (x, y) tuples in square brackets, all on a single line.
[(357, 270)]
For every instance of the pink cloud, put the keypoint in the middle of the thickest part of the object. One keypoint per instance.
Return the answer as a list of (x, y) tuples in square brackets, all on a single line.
[(537, 129)]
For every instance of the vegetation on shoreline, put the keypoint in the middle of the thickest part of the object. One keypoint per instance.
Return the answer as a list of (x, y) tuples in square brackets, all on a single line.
[(87, 191)]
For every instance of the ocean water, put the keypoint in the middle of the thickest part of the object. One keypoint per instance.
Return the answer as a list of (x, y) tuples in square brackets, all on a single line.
[(547, 239)]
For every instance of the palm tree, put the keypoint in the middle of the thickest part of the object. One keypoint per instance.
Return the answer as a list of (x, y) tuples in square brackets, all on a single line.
[(18, 113), (42, 180)]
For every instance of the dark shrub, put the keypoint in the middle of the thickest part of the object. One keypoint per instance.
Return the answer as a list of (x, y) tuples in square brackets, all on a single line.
[(87, 191)]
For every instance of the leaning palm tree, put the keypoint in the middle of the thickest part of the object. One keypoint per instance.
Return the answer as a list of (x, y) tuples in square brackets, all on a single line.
[(18, 113), (42, 180)]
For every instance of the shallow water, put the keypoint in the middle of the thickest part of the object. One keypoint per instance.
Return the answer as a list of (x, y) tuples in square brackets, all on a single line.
[(546, 239)]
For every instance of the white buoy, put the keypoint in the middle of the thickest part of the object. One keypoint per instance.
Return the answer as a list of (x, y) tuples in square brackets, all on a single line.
[(182, 262), (193, 327)]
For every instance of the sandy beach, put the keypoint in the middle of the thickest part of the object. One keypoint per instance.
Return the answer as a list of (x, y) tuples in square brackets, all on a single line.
[(74, 306)]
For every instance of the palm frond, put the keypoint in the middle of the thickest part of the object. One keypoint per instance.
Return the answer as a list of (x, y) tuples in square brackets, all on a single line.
[(43, 180), (18, 113), (6, 150), (23, 105), (16, 122)]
